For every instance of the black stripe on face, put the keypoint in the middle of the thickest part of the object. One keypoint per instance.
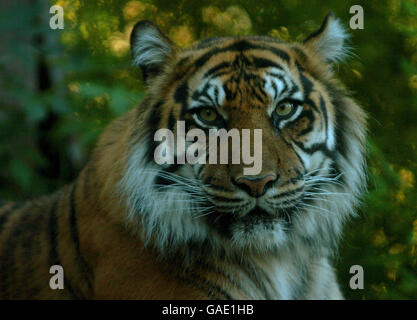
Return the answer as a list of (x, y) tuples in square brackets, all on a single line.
[(294, 89), (322, 147), (171, 120), (215, 69), (302, 55), (216, 96), (307, 84), (324, 112), (181, 97), (274, 86), (307, 88), (260, 63), (301, 160), (341, 121), (86, 270), (154, 120)]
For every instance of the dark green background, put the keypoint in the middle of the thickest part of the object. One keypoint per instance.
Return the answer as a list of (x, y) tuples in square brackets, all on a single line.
[(59, 88)]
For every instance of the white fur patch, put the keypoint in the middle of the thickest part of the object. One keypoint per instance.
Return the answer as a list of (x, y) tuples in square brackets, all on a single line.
[(169, 215)]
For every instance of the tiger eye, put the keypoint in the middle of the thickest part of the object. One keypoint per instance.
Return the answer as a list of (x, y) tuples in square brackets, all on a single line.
[(284, 109), (208, 115)]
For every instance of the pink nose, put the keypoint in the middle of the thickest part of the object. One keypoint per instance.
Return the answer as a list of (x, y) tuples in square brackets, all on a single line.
[(256, 185)]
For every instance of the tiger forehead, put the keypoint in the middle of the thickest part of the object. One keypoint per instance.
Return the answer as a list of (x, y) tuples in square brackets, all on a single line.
[(238, 87), (225, 50), (240, 79)]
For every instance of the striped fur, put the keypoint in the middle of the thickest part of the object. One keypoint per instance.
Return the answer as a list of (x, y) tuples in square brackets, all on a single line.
[(129, 228)]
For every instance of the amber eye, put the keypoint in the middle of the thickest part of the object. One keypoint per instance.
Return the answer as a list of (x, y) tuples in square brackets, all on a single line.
[(285, 109), (208, 115)]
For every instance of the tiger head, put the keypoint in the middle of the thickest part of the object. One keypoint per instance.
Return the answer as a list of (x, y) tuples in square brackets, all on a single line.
[(312, 144)]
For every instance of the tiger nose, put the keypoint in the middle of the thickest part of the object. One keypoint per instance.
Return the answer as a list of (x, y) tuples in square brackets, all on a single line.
[(256, 185)]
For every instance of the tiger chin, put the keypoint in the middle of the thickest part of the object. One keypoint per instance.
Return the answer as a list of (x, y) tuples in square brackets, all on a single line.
[(129, 228)]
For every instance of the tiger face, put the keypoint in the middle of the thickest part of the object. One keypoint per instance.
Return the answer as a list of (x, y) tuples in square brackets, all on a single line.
[(312, 145)]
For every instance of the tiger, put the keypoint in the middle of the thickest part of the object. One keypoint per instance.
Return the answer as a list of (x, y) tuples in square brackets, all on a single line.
[(129, 228)]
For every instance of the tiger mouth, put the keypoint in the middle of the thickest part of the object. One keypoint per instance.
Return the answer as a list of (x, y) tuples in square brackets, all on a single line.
[(257, 215), (267, 207), (278, 214)]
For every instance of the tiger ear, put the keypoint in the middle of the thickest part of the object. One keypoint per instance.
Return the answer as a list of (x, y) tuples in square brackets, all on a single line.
[(330, 40), (150, 48)]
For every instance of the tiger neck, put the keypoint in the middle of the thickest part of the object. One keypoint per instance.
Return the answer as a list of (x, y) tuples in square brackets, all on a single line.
[(287, 274)]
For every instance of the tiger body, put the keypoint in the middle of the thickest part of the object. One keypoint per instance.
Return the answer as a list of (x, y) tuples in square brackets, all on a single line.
[(129, 228)]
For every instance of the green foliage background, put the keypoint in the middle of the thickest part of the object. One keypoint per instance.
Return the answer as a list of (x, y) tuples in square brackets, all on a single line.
[(59, 88)]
